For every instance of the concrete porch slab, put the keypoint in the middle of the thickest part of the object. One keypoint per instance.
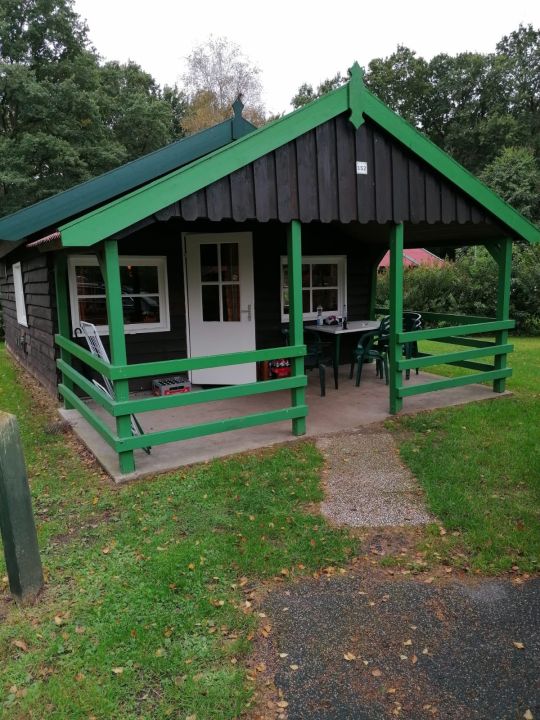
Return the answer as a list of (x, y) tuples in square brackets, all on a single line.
[(343, 409)]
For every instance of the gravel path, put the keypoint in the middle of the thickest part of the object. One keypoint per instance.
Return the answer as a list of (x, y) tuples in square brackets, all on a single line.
[(458, 650), (367, 484)]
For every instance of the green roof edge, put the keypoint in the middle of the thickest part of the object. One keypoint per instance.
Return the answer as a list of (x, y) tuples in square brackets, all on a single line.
[(120, 180), (129, 209)]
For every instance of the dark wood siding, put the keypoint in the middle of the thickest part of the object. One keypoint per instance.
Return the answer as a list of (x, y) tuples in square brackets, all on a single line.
[(33, 346), (313, 178)]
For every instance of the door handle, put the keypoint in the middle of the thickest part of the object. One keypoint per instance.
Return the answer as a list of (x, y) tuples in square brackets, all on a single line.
[(248, 311)]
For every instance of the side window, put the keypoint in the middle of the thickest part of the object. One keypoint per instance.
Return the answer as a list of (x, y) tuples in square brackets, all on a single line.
[(19, 295)]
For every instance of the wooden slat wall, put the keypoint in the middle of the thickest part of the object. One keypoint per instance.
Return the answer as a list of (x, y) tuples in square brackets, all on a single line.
[(33, 346), (314, 179)]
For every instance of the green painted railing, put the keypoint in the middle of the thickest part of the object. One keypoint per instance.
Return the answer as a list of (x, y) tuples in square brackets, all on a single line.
[(127, 407), (457, 332)]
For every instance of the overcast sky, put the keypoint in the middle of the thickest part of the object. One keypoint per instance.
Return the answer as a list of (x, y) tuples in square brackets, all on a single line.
[(296, 41)]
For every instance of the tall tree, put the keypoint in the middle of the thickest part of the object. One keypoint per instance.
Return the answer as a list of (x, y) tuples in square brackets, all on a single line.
[(217, 73), (306, 93), (515, 176)]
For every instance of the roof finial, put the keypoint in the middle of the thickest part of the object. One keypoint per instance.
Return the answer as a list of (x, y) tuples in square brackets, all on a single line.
[(356, 72), (238, 106)]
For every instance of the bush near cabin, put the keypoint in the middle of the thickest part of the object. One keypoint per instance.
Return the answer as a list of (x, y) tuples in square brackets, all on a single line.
[(468, 286)]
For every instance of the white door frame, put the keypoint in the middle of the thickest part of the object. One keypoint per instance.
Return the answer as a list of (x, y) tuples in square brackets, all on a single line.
[(185, 235)]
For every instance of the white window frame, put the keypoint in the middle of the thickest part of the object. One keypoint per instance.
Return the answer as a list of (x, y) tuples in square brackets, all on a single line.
[(340, 261), (18, 284), (164, 325)]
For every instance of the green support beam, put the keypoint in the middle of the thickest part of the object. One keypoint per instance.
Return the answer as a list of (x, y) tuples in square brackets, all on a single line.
[(396, 316), (296, 324), (62, 310), (117, 341), (501, 251)]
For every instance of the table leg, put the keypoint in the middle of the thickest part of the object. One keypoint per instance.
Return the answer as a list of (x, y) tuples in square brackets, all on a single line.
[(336, 359)]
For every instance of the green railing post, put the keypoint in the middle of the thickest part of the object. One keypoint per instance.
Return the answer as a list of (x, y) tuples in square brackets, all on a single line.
[(296, 325), (396, 316), (62, 311), (502, 252), (17, 525), (117, 341)]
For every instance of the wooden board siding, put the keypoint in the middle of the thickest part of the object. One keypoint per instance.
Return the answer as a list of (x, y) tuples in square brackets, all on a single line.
[(33, 346), (314, 178)]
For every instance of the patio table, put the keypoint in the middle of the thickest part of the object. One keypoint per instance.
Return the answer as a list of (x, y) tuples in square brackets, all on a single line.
[(353, 326)]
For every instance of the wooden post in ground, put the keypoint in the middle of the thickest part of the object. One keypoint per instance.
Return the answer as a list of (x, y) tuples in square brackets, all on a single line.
[(16, 519), (296, 324), (62, 305)]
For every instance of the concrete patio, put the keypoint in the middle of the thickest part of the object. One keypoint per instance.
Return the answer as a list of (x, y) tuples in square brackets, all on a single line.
[(346, 408)]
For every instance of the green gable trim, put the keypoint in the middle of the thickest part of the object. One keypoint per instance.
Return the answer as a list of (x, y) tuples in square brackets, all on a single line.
[(353, 96), (80, 198), (141, 203)]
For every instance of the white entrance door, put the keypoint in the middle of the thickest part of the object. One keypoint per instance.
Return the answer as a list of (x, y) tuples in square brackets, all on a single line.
[(221, 303)]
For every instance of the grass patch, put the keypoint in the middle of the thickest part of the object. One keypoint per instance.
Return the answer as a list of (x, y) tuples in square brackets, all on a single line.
[(144, 614), (480, 467)]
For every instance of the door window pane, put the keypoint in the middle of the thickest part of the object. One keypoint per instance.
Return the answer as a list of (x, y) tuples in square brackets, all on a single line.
[(210, 303), (139, 279), (229, 262), (209, 262), (231, 303)]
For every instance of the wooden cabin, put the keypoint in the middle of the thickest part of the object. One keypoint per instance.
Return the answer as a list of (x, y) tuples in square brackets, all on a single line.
[(191, 259)]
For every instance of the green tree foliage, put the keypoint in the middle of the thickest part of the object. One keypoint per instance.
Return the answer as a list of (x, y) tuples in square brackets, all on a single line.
[(64, 116), (472, 105), (306, 93), (515, 175)]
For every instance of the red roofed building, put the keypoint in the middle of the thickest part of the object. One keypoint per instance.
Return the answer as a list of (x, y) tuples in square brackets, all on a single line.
[(412, 257)]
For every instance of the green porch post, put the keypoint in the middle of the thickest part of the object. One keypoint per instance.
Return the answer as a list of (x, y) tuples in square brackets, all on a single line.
[(396, 315), (62, 305), (501, 251), (296, 324), (117, 341)]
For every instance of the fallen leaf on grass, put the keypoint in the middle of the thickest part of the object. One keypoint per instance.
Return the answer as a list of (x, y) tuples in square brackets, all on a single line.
[(376, 673), (414, 659), (528, 715), (294, 667), (519, 645), (118, 670), (20, 644), (79, 677), (283, 655), (160, 652), (408, 642), (282, 704), (349, 656)]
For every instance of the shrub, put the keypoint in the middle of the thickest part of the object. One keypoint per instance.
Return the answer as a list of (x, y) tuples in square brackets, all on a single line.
[(468, 286)]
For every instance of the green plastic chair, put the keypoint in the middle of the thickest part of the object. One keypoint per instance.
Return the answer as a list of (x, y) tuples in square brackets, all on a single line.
[(318, 356), (372, 346)]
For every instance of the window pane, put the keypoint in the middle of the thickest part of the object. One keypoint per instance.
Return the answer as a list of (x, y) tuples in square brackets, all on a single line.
[(141, 309), (326, 298), (305, 275), (89, 280), (229, 261), (139, 279), (305, 301), (209, 262), (325, 275), (93, 310), (210, 303), (231, 303)]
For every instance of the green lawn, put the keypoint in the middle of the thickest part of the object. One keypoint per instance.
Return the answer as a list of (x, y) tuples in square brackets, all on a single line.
[(146, 613), (480, 467)]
